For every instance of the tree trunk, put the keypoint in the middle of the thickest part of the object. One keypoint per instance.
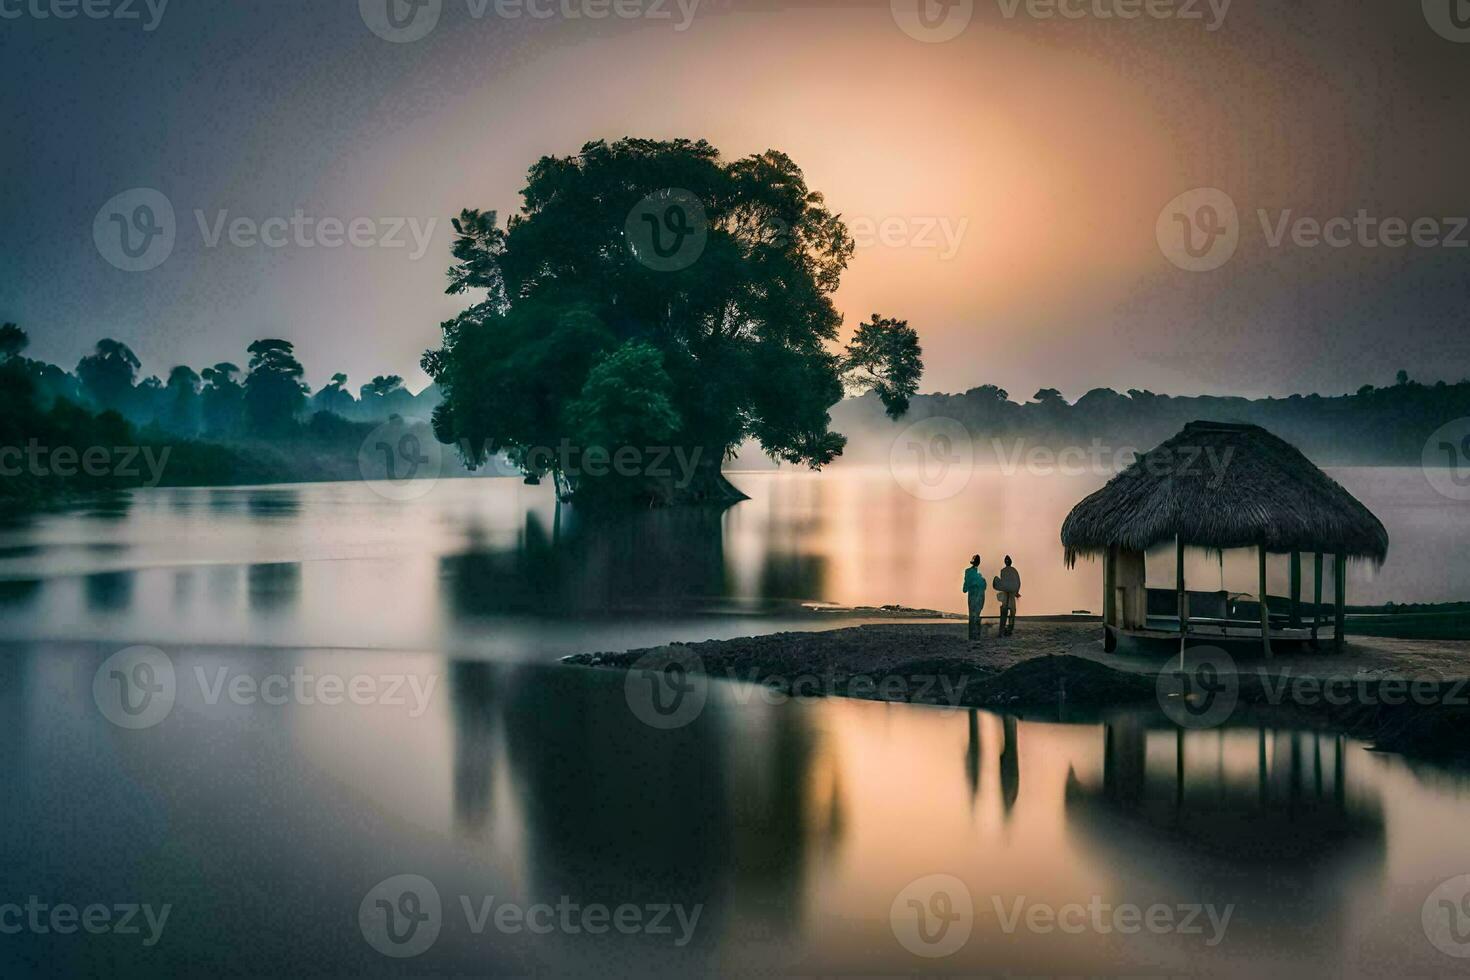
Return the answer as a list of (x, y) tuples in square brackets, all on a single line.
[(706, 486), (683, 477)]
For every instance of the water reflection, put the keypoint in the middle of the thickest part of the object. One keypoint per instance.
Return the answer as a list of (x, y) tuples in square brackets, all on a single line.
[(483, 579), (1259, 795), (109, 506), (580, 563), (1259, 817), (793, 825), (222, 582), (278, 503), (475, 705), (1010, 765), (108, 591), (274, 585), (614, 811), (972, 756), (17, 594), (222, 499), (792, 575), (183, 588)]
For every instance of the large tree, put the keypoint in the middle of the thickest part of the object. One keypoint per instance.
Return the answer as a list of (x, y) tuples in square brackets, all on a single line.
[(13, 340), (181, 404), (274, 392), (659, 267), (884, 357), (334, 397), (108, 373), (223, 399)]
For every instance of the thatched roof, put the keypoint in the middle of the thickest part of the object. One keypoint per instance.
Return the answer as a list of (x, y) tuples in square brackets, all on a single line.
[(1218, 485)]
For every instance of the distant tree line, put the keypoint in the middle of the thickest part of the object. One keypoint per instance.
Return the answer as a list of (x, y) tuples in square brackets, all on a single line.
[(267, 399), (219, 425), (1372, 426), (224, 425)]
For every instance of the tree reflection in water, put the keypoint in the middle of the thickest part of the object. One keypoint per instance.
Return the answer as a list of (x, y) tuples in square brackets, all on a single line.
[(670, 559), (613, 811)]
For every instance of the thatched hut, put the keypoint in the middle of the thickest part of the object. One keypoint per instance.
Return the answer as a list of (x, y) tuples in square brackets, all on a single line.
[(1220, 486)]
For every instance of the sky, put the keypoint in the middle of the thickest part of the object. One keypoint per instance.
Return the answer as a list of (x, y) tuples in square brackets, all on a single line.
[(1018, 181)]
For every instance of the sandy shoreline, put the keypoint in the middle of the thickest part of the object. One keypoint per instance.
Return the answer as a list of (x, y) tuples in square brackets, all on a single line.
[(1411, 696)]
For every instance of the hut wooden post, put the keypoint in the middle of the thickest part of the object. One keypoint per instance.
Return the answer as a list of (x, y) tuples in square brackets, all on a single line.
[(1316, 594), (1339, 569), (1265, 608), (1130, 593), (1183, 596), (1296, 590), (1110, 587)]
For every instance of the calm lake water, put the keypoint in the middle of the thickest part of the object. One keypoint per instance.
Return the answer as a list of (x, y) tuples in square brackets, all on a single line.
[(493, 568), (804, 835)]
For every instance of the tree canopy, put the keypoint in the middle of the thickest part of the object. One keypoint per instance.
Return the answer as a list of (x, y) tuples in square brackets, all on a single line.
[(704, 286), (274, 392), (107, 374), (13, 340)]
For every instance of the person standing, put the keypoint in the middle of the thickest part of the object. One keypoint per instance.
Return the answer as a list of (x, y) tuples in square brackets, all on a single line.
[(1008, 590), (975, 590)]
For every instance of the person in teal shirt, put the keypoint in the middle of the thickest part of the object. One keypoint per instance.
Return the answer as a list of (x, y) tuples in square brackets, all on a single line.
[(975, 589)]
